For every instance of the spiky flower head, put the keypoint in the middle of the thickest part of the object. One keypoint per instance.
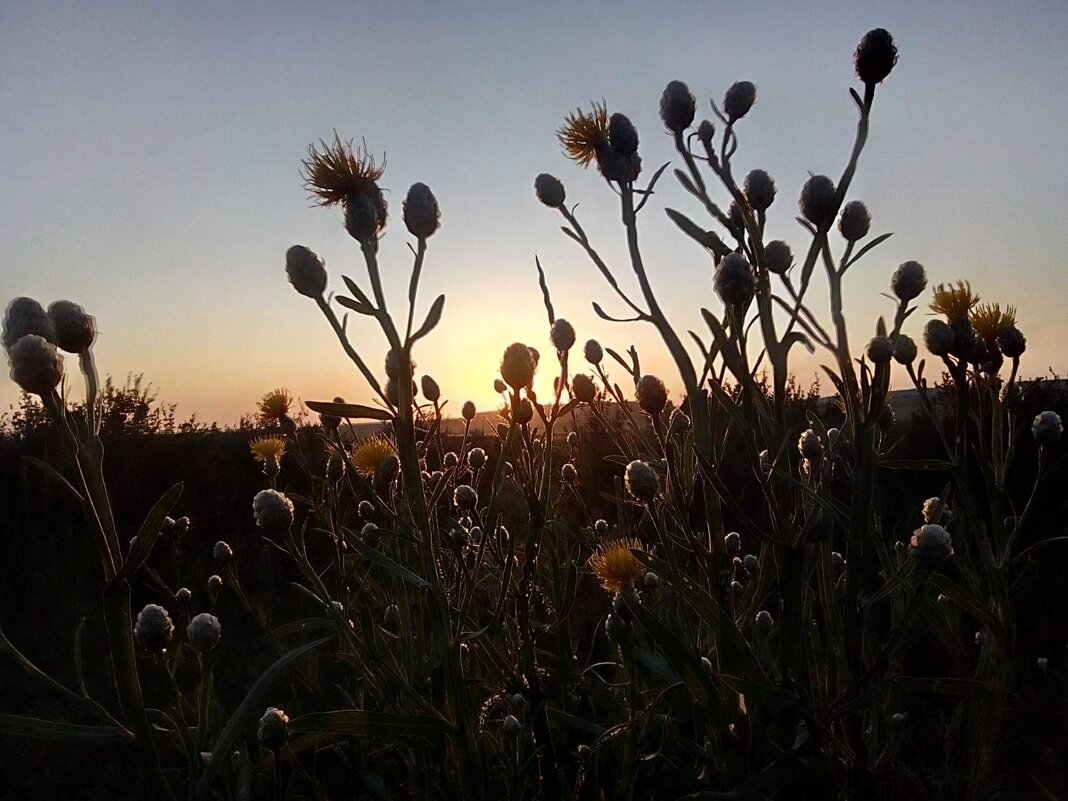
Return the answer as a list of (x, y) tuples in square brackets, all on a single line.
[(549, 190), (875, 56), (989, 319), (274, 406), (306, 271), (651, 394), (641, 481), (615, 566), (777, 256), (818, 201), (759, 189), (75, 328), (930, 546), (333, 172), (26, 316), (734, 280), (368, 454), (739, 99), (593, 351), (422, 215), (273, 510), (584, 133), (517, 366), (908, 280), (273, 731), (203, 632), (36, 365), (954, 301), (1047, 428), (678, 107), (153, 629), (268, 449), (855, 221), (562, 335)]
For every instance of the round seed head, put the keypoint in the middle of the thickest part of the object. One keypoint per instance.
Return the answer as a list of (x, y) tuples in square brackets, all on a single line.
[(549, 190), (904, 349), (818, 201), (273, 510), (734, 280), (26, 316), (273, 730), (652, 395), (854, 221), (938, 337), (36, 365), (759, 189), (739, 99), (641, 481), (422, 216), (153, 629), (305, 271), (203, 632), (75, 329), (909, 280), (875, 56), (1047, 428), (880, 349), (562, 335), (678, 107), (777, 256), (517, 366)]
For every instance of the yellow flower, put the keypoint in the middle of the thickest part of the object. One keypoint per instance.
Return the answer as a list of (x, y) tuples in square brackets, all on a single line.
[(339, 171), (582, 133), (275, 405), (615, 566), (988, 319), (953, 301), (265, 448), (369, 454)]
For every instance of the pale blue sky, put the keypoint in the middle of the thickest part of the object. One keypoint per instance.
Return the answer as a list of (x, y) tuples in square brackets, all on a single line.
[(150, 153)]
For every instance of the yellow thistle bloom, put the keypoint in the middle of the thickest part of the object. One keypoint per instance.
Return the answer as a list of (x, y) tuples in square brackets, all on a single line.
[(275, 405), (582, 133), (265, 448), (953, 301), (615, 566), (338, 171), (988, 319), (369, 454)]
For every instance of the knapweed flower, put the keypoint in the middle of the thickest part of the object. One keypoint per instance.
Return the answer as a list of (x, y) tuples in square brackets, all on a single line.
[(26, 316), (549, 190), (641, 481), (875, 56), (930, 546), (562, 335), (203, 632), (809, 445), (954, 301), (306, 271), (734, 280), (678, 107), (763, 621), (938, 337), (339, 174), (1012, 341), (739, 99), (273, 730), (222, 552), (422, 216), (582, 134), (75, 328), (905, 350), (935, 510), (273, 510), (651, 394), (989, 319), (568, 473), (36, 365), (268, 449), (880, 349), (615, 566), (908, 280), (582, 388), (777, 256), (855, 221), (1047, 428), (593, 351), (153, 629), (274, 406), (369, 454), (818, 201), (759, 189), (214, 585), (465, 497), (517, 366)]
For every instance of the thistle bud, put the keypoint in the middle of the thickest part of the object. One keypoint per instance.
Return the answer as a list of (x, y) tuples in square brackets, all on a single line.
[(938, 337), (366, 510), (335, 468), (431, 390), (818, 202), (593, 351), (385, 473), (36, 365), (214, 586), (904, 349), (203, 632), (678, 107), (467, 411), (739, 99), (582, 388), (549, 190), (511, 726), (153, 629), (641, 481), (273, 510), (737, 587), (734, 280), (305, 271), (930, 546), (1013, 343), (524, 412), (777, 256), (759, 189), (1047, 428), (183, 595), (422, 216), (75, 329), (809, 445), (465, 497), (572, 438), (273, 730), (652, 395), (391, 617), (517, 366), (880, 349), (854, 221), (450, 460), (875, 56), (732, 542), (706, 131), (223, 553), (623, 135), (909, 280), (764, 621), (26, 316), (616, 629), (476, 458), (935, 510), (562, 335), (365, 214), (600, 527), (568, 473), (750, 563)]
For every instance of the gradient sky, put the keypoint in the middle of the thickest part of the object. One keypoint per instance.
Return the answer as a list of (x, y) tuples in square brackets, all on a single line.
[(150, 155)]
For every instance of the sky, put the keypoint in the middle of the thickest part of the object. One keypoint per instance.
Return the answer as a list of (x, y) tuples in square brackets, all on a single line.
[(150, 170)]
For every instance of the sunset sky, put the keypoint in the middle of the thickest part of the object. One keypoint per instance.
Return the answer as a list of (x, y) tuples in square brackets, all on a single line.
[(150, 156)]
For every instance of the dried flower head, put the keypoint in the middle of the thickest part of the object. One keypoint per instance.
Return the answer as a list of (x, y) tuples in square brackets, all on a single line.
[(777, 256), (75, 328), (583, 134), (26, 316), (855, 221), (370, 453), (203, 632), (651, 394), (615, 566), (273, 510), (153, 629), (268, 449), (336, 172), (273, 731), (562, 335), (1047, 428), (908, 280), (759, 189), (817, 203), (875, 56), (36, 365), (275, 405), (953, 301), (678, 107), (734, 280), (988, 319)]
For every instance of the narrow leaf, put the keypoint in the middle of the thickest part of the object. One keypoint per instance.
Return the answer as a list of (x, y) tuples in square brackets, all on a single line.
[(38, 729), (433, 317), (149, 531), (53, 474), (350, 411)]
